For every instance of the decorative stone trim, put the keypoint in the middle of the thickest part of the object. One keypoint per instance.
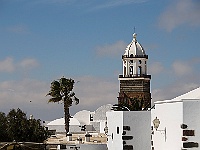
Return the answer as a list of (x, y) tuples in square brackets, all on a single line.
[(127, 137), (184, 139), (190, 145), (126, 128), (188, 133), (128, 147), (184, 126), (124, 133)]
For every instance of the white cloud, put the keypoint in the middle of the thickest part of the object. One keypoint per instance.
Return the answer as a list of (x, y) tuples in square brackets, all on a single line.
[(181, 68), (173, 90), (180, 78), (7, 65), (27, 94), (57, 1), (180, 12), (155, 68), (94, 92), (19, 29), (28, 63), (30, 96), (97, 3), (115, 3), (184, 78), (178, 68), (114, 49)]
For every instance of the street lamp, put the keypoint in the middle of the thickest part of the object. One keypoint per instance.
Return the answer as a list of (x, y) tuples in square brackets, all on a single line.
[(156, 123), (106, 127)]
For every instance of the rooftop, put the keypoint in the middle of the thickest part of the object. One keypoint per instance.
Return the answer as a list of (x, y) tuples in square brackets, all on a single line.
[(191, 95)]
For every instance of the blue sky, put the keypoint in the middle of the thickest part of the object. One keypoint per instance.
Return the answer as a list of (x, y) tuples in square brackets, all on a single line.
[(43, 40)]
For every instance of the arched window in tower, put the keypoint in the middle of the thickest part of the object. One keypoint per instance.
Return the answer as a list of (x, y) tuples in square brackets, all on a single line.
[(139, 70), (145, 69), (131, 70), (124, 70)]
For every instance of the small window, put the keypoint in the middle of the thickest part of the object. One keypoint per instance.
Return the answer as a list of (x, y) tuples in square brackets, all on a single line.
[(117, 130), (63, 146), (140, 61), (126, 128), (91, 117)]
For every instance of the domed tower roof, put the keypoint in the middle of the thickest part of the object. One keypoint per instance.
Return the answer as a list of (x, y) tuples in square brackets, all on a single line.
[(134, 48)]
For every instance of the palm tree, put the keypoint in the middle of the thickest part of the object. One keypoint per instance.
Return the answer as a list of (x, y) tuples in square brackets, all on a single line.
[(61, 91)]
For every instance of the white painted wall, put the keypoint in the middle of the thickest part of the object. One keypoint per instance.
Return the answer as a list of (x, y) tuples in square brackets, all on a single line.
[(92, 147), (139, 122), (102, 126), (172, 114), (191, 117), (171, 118), (114, 120)]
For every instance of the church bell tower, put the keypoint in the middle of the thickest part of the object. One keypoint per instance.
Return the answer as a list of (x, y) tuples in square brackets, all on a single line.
[(134, 81)]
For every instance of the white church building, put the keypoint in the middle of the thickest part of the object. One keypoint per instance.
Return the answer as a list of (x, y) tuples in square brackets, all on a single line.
[(176, 122), (168, 125), (171, 125)]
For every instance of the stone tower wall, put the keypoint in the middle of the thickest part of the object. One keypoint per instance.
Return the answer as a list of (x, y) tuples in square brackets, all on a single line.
[(139, 89)]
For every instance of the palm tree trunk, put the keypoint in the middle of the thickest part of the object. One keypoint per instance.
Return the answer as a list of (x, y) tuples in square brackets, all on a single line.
[(67, 116)]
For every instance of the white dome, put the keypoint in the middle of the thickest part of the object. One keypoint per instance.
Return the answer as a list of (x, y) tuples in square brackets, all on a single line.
[(61, 121), (100, 113), (83, 117), (134, 48)]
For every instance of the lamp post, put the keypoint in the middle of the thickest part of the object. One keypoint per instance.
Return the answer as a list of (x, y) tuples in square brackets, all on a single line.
[(156, 123), (106, 127)]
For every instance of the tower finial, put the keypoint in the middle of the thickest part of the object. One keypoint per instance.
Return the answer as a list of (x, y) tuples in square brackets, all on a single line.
[(134, 29), (134, 36)]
